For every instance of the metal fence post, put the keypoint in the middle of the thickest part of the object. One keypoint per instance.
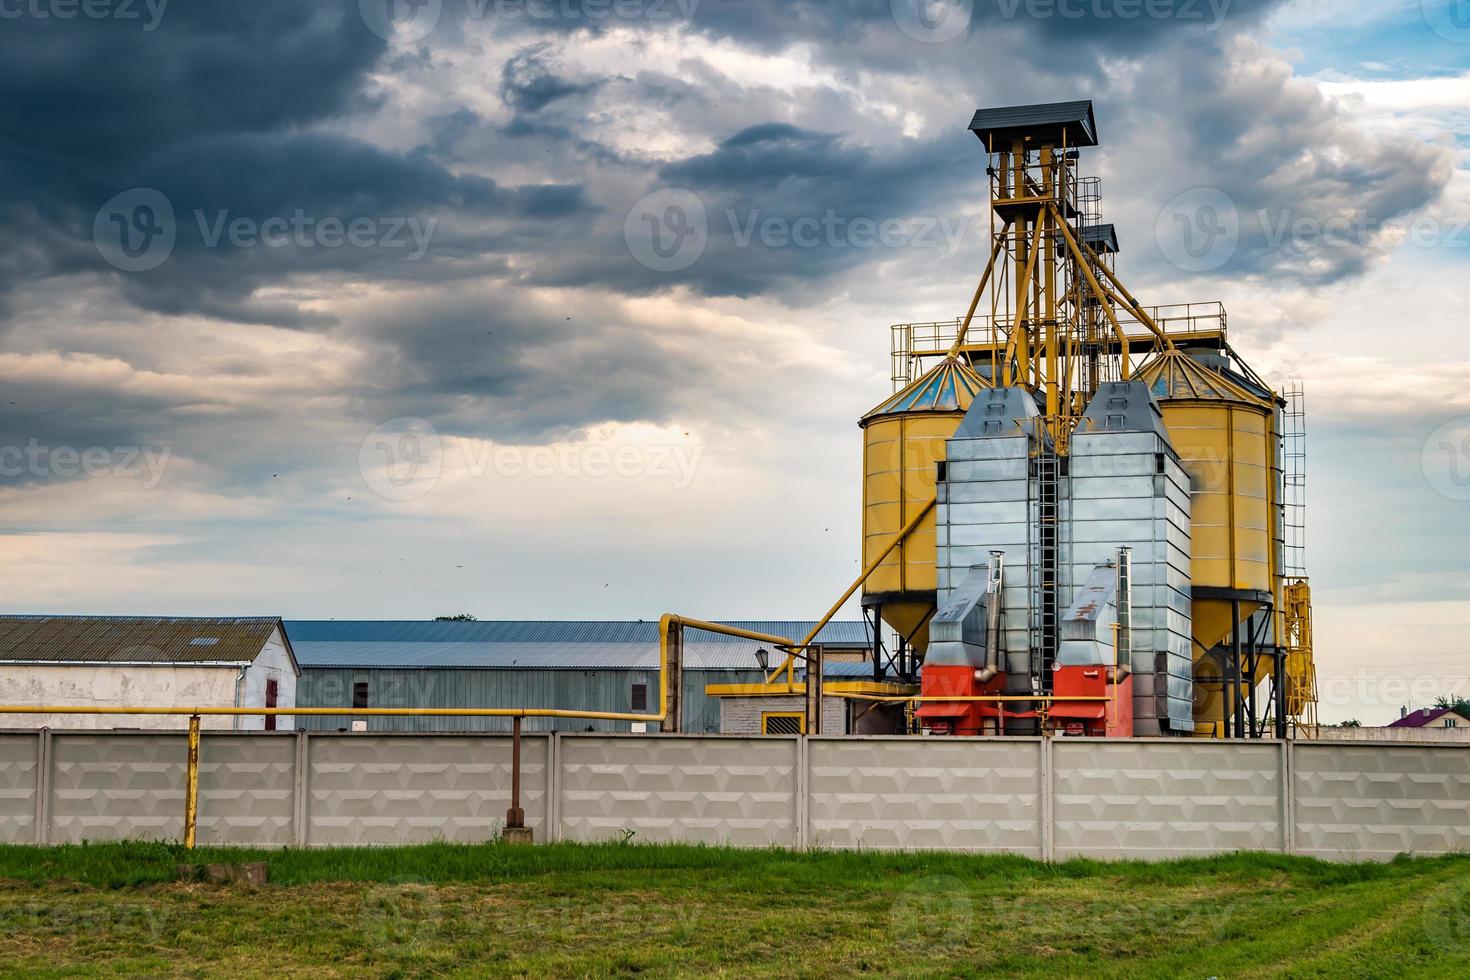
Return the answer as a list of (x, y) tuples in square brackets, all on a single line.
[(43, 786), (191, 785)]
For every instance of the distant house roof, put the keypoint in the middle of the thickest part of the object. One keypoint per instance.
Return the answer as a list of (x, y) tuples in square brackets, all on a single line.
[(1421, 717), (540, 644), (134, 639)]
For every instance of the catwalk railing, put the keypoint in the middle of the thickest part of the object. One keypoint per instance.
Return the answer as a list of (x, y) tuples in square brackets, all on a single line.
[(1049, 799)]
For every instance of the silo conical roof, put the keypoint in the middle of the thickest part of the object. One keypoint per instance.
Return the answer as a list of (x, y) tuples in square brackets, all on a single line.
[(949, 386), (1174, 375)]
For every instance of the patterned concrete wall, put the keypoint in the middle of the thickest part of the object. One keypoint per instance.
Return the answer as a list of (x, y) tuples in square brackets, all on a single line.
[(247, 790), (1160, 799), (1357, 802), (925, 794), (114, 786), (718, 790), (404, 789), (1054, 800), (19, 777)]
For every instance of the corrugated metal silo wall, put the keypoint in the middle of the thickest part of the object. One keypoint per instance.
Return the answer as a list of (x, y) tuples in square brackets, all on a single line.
[(589, 690)]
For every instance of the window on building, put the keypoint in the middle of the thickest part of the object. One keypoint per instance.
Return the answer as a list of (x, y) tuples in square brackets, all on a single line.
[(783, 723), (1451, 722), (360, 694), (272, 693), (639, 697)]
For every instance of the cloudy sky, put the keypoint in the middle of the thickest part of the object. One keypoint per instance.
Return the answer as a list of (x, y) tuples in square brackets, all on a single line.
[(349, 309)]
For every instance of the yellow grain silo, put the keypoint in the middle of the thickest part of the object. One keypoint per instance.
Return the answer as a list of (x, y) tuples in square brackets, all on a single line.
[(903, 441), (1225, 435)]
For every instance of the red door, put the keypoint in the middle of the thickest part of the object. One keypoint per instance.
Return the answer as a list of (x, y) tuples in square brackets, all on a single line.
[(271, 688)]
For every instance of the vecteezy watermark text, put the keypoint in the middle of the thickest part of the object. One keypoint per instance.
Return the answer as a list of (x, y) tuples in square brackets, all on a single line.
[(137, 230), (669, 230), (148, 13), (410, 21), (404, 459), (303, 231), (41, 461)]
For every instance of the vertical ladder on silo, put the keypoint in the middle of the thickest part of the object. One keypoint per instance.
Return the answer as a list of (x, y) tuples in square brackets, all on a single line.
[(1294, 478), (1048, 478)]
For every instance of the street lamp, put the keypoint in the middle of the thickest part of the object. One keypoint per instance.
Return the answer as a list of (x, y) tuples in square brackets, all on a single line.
[(763, 658)]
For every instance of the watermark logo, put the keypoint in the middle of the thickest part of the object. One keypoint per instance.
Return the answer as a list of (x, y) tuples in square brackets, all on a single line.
[(933, 21), (147, 13), (667, 230), (1446, 917), (401, 914), (1198, 230), (400, 21), (1450, 19), (135, 231), (301, 230), (42, 461), (935, 913), (401, 459), (1446, 459)]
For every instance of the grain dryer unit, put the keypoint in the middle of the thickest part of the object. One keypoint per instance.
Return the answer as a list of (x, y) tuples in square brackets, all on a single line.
[(1077, 449)]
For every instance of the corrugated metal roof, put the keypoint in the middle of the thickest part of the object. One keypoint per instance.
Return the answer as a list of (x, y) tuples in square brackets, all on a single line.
[(538, 645), (133, 639), (1048, 121)]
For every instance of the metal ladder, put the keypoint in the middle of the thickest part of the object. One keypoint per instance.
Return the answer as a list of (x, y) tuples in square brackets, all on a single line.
[(1046, 568)]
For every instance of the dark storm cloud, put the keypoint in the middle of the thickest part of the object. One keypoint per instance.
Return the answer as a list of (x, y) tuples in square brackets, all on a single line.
[(214, 109), (529, 82), (250, 110)]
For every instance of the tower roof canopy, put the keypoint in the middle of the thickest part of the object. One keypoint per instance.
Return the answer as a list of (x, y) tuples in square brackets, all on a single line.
[(1055, 123)]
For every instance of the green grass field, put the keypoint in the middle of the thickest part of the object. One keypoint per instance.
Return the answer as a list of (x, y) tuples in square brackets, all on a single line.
[(568, 910)]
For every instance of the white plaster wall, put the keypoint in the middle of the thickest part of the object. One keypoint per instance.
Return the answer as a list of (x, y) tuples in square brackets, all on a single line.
[(161, 685), (742, 716), (273, 662)]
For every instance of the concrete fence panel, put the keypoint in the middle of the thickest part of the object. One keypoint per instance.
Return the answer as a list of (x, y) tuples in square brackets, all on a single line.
[(108, 785), (20, 779), (410, 789), (897, 793), (1357, 802), (1161, 799), (247, 790), (711, 789)]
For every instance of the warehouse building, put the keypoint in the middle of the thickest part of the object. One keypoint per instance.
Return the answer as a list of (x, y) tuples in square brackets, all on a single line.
[(598, 665), (145, 661)]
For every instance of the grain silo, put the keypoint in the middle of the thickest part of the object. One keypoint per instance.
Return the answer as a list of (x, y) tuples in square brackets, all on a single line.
[(1072, 442), (903, 439)]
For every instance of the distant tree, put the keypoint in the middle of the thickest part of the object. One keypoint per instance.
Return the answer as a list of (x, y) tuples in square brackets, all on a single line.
[(1350, 723), (1460, 706), (457, 618)]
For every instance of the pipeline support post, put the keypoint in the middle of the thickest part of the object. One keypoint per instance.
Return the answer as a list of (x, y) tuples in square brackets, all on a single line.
[(516, 831), (191, 785)]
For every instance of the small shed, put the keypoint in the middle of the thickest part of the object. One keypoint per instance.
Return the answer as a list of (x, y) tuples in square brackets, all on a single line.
[(145, 661)]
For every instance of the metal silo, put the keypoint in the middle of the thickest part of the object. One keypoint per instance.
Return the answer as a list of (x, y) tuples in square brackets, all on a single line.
[(1224, 430), (903, 441)]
